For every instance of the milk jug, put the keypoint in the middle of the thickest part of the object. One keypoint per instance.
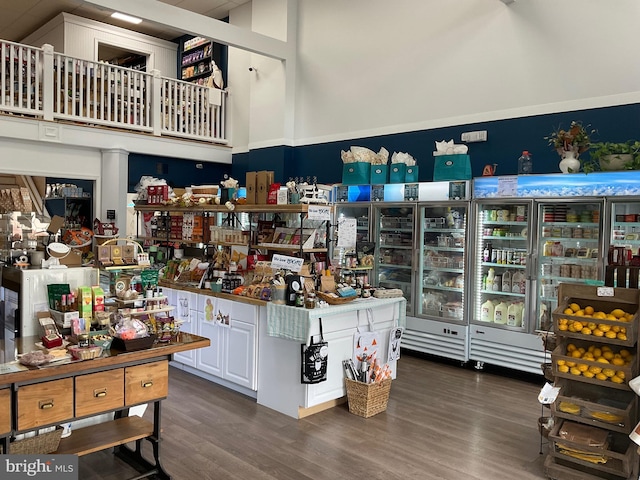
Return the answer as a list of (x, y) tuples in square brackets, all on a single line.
[(487, 311), (516, 279), (491, 275), (514, 314), (506, 281), (500, 313)]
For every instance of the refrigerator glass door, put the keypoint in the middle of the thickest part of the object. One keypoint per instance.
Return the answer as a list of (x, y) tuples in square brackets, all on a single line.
[(624, 240), (501, 280), (350, 259), (395, 247), (441, 265), (569, 239)]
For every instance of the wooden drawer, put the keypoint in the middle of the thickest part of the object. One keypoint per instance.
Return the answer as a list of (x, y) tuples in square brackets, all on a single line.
[(99, 392), (146, 382), (5, 411), (45, 403)]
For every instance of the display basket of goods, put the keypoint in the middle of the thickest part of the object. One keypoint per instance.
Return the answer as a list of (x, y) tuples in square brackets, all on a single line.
[(133, 344), (333, 298), (584, 314), (367, 399), (85, 353), (131, 334), (40, 444), (121, 252)]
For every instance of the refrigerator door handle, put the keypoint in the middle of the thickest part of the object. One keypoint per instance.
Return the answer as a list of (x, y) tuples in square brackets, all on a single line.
[(532, 266)]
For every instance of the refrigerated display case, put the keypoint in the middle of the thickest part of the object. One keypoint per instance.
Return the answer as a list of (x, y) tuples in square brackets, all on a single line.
[(394, 262), (439, 325), (623, 242)]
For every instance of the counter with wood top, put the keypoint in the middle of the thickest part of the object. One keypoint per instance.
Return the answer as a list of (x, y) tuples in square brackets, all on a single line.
[(32, 398)]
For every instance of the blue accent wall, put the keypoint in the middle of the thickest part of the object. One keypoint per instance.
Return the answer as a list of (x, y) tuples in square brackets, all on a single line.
[(506, 141)]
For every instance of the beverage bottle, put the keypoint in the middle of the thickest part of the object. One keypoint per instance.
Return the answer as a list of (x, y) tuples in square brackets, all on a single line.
[(490, 278), (486, 256), (487, 311), (500, 313), (525, 165)]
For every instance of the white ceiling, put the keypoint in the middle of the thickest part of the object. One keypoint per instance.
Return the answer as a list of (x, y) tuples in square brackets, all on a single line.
[(18, 18)]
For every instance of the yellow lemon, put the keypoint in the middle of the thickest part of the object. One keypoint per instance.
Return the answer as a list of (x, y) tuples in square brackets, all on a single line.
[(563, 327), (586, 331), (589, 310), (620, 374), (592, 325), (563, 368), (624, 353), (589, 356), (578, 326), (605, 348), (563, 321), (615, 328), (623, 329), (610, 334), (596, 331), (617, 379), (576, 354), (618, 313), (608, 354), (604, 327), (571, 363), (602, 360), (601, 376), (568, 311), (583, 367), (611, 317), (619, 361), (593, 369), (597, 352), (600, 315), (575, 371), (579, 313), (609, 372), (571, 347), (561, 361), (574, 307), (622, 336), (588, 374)]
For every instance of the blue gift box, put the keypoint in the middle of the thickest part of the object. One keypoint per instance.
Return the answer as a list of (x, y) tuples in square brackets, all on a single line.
[(397, 173), (379, 174)]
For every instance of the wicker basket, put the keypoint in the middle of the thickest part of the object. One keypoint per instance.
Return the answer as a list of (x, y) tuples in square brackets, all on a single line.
[(334, 300), (40, 444), (367, 399)]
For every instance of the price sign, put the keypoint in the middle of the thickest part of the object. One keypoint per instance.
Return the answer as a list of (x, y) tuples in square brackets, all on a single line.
[(347, 232), (605, 291), (285, 262), (319, 212), (507, 186)]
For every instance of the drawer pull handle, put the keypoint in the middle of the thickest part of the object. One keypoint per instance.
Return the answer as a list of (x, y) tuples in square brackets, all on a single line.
[(45, 404), (100, 393), (147, 384)]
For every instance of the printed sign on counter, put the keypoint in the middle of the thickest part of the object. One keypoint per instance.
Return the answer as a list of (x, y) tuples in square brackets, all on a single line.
[(319, 212), (286, 263), (347, 232)]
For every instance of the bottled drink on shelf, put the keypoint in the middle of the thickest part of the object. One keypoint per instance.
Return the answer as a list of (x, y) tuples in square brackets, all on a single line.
[(525, 165)]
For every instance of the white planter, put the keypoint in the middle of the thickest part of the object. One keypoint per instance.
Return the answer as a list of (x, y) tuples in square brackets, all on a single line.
[(569, 163), (615, 162)]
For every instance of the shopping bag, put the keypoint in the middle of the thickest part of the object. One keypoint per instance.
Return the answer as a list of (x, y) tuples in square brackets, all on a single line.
[(397, 172), (451, 167), (379, 174), (356, 173), (395, 336), (315, 357), (411, 174), (365, 344)]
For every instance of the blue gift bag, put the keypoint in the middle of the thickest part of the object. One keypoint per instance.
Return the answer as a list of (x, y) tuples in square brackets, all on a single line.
[(451, 167), (397, 172), (411, 174), (356, 173), (379, 174)]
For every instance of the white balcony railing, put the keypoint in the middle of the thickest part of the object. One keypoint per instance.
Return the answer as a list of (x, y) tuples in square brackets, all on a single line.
[(41, 83)]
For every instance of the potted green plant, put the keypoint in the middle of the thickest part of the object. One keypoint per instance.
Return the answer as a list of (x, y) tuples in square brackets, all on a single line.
[(615, 155)]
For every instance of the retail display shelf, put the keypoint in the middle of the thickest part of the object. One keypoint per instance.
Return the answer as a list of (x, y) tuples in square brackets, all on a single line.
[(498, 292), (286, 248), (445, 230), (626, 224), (444, 269), (505, 265), (123, 267), (570, 239), (502, 237), (498, 222), (625, 242), (406, 247), (391, 265), (570, 224), (552, 259), (152, 311), (396, 229), (586, 281), (442, 287), (297, 208), (443, 249)]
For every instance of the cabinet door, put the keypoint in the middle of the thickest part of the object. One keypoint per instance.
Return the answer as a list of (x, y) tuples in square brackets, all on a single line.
[(188, 357), (240, 354), (185, 303), (209, 359)]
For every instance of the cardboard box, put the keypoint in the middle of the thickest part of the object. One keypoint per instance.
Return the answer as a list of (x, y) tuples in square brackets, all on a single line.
[(97, 295), (62, 319), (85, 302), (251, 184), (74, 259), (264, 181)]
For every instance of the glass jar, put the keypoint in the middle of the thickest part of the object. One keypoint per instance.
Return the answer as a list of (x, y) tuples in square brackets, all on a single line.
[(299, 302), (310, 301)]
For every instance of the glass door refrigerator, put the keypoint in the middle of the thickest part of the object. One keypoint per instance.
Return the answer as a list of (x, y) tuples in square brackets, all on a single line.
[(394, 234), (439, 325), (347, 259), (623, 247)]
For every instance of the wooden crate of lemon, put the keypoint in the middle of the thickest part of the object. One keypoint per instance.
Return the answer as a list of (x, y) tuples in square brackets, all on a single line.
[(583, 312), (597, 363)]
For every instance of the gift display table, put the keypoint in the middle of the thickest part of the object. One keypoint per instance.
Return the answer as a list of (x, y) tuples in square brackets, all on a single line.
[(38, 397)]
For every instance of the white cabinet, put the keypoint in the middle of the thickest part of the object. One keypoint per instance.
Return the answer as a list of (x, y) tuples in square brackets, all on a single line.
[(232, 354), (185, 303)]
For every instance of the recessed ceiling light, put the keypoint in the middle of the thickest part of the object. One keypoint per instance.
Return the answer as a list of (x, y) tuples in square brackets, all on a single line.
[(126, 18)]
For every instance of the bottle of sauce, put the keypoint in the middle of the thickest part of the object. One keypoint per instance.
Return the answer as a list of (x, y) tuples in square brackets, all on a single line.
[(486, 256)]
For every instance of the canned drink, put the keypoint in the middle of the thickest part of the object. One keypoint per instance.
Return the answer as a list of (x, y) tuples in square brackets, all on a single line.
[(523, 258), (510, 257), (503, 257), (494, 255)]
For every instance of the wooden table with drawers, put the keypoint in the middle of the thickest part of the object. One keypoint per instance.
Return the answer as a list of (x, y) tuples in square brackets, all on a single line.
[(58, 393)]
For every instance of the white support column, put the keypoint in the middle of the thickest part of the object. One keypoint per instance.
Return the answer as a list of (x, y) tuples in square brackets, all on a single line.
[(47, 82), (114, 179)]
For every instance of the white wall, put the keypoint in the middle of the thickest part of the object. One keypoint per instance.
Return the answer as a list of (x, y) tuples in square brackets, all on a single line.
[(369, 67)]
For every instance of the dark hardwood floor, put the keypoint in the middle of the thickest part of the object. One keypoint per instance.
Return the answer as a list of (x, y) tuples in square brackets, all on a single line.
[(442, 422)]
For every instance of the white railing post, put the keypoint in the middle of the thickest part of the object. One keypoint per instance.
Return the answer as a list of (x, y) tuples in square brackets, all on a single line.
[(47, 82), (156, 102)]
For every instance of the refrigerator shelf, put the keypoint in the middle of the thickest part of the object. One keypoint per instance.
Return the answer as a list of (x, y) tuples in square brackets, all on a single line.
[(569, 224), (504, 222), (443, 249), (441, 287), (505, 265), (390, 265), (552, 259), (497, 292), (622, 243), (586, 281), (406, 247), (444, 230), (443, 269), (626, 224), (392, 229), (500, 237), (571, 239)]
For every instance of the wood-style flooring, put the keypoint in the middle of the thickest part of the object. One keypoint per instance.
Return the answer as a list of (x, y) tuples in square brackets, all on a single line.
[(443, 422)]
